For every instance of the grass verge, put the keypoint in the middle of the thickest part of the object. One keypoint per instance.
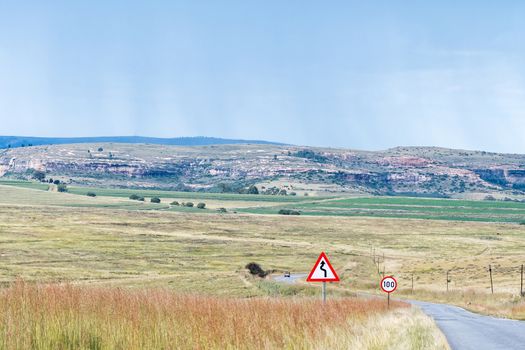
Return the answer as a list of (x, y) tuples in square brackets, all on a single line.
[(68, 317)]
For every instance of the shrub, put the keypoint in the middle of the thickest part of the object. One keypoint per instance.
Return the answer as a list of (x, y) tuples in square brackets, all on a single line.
[(253, 190), (174, 203), (39, 175), (62, 188), (56, 182), (222, 210), (141, 199), (134, 197), (289, 212), (155, 200), (201, 205), (256, 269), (189, 204), (91, 194)]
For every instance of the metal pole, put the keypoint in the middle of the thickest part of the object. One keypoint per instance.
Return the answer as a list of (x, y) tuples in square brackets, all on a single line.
[(388, 300), (521, 290), (491, 285), (324, 292)]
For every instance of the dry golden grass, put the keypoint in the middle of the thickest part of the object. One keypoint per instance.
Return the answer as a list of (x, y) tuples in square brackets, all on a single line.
[(72, 317), (498, 304)]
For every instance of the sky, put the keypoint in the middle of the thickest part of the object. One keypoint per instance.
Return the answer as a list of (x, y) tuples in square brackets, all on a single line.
[(351, 74)]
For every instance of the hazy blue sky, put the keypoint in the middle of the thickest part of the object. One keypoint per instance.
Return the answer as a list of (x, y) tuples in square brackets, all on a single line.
[(358, 74)]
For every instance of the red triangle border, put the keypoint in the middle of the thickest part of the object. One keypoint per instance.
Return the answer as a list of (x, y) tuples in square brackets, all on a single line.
[(310, 279)]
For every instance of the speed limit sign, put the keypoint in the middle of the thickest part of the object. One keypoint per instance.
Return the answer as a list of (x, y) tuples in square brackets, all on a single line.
[(388, 284)]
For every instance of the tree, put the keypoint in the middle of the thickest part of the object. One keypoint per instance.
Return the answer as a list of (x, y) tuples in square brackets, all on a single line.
[(100, 149), (201, 205), (253, 190), (155, 200), (62, 188), (56, 182), (39, 175), (189, 204), (174, 203), (91, 194)]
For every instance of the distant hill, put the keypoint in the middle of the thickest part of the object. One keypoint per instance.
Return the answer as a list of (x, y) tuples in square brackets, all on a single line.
[(274, 169), (22, 141)]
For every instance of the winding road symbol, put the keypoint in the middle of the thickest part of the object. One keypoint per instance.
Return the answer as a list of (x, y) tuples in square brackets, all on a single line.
[(321, 267)]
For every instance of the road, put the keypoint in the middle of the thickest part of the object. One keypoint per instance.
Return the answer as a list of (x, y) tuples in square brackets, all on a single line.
[(469, 331), (463, 329), (292, 279)]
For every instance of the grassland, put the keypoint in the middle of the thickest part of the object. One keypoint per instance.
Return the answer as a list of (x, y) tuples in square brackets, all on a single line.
[(111, 241), (68, 317)]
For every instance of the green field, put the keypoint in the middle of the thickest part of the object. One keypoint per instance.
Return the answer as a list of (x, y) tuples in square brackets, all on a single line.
[(410, 208), (385, 207)]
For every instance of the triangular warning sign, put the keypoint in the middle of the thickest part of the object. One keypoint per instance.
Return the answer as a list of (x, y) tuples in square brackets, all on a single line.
[(322, 271)]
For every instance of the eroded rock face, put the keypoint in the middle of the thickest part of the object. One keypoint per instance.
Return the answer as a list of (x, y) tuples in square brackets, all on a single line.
[(418, 170)]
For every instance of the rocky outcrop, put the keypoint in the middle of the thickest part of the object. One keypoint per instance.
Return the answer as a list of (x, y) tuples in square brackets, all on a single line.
[(404, 170)]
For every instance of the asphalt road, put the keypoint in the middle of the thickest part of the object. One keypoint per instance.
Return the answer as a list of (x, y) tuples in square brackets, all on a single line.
[(469, 331), (291, 280), (463, 329)]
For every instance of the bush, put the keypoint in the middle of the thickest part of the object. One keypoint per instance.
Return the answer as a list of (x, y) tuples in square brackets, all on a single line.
[(56, 182), (289, 212), (100, 149), (174, 203), (39, 175), (155, 200), (62, 188), (253, 190), (256, 269), (222, 210), (91, 194), (136, 198), (201, 205), (189, 204)]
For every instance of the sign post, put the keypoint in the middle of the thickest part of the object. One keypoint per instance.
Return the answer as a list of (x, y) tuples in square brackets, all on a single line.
[(388, 285), (323, 272)]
